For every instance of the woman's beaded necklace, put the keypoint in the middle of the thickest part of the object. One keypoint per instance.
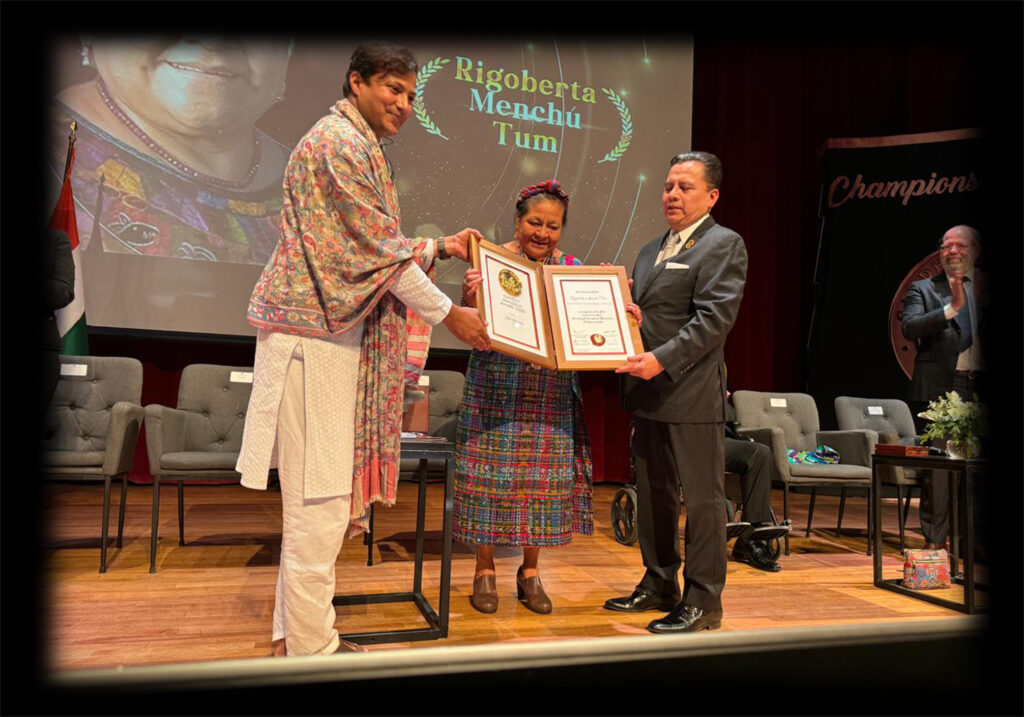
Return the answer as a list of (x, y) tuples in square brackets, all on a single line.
[(171, 159)]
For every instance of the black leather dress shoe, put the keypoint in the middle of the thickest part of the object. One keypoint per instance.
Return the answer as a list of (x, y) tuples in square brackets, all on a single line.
[(755, 554), (639, 601), (687, 618)]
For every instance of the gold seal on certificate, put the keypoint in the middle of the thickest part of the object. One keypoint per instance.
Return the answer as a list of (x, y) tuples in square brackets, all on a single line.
[(510, 282), (559, 317)]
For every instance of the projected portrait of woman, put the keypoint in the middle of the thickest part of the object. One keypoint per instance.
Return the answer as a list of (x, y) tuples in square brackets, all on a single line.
[(169, 159)]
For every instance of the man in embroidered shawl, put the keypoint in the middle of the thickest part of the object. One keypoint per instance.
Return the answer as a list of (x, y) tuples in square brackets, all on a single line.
[(335, 309)]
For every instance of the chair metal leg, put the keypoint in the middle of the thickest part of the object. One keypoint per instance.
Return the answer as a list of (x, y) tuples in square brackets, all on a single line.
[(103, 527), (120, 512), (181, 512), (810, 512), (154, 524), (842, 506), (785, 510)]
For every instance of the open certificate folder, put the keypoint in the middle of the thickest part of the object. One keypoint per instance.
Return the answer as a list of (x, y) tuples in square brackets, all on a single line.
[(559, 317)]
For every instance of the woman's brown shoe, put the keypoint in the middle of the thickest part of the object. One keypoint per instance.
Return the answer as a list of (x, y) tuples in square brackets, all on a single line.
[(485, 593), (531, 593)]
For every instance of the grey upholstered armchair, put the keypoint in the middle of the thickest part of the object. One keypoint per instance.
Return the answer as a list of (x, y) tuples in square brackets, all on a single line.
[(200, 438), (92, 427), (890, 421), (789, 421)]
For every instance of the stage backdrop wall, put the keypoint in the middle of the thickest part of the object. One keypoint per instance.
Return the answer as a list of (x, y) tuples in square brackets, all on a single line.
[(885, 204), (766, 104), (765, 107)]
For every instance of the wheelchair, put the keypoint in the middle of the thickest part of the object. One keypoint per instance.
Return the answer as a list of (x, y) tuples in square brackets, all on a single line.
[(624, 509), (624, 527)]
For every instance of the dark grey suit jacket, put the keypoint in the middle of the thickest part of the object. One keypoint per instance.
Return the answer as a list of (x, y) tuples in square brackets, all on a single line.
[(687, 313), (938, 338)]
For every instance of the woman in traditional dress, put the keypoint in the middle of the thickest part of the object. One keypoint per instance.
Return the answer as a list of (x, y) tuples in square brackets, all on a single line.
[(522, 455)]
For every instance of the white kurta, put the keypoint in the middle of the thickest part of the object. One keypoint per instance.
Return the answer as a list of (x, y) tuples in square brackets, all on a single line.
[(301, 419), (331, 369)]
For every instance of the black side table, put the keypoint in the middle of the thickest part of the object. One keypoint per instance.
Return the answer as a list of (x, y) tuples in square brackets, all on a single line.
[(961, 473), (437, 622)]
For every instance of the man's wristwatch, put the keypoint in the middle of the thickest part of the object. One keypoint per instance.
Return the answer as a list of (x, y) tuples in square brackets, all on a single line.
[(441, 253)]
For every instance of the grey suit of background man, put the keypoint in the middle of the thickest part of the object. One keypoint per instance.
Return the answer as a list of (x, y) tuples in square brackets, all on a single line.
[(944, 315), (689, 284)]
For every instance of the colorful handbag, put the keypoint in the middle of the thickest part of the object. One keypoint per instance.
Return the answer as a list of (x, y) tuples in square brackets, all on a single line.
[(822, 454), (925, 569)]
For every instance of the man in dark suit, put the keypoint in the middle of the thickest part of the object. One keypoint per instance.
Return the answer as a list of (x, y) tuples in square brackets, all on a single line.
[(689, 284), (943, 314)]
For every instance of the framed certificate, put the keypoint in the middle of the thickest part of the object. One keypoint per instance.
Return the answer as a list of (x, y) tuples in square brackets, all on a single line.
[(558, 317), (512, 301), (589, 322)]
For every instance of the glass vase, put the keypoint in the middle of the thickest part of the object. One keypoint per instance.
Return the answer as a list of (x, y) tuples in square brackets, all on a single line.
[(960, 450)]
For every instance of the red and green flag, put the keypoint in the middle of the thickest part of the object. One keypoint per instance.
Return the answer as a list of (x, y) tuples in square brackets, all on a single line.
[(71, 319)]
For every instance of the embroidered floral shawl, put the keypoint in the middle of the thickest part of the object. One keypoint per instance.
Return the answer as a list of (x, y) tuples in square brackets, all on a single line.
[(341, 249)]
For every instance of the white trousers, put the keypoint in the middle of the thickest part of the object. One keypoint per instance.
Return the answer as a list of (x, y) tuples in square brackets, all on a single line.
[(311, 535)]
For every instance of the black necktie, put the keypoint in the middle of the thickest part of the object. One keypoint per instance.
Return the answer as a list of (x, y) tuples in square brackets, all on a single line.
[(963, 318)]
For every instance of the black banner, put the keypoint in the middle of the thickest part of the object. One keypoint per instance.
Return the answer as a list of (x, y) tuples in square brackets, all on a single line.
[(885, 204)]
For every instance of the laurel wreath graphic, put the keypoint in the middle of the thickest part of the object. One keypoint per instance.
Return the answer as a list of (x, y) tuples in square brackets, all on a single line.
[(418, 106), (627, 127)]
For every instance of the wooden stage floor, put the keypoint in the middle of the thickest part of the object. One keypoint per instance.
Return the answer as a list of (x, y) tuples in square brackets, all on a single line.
[(212, 599)]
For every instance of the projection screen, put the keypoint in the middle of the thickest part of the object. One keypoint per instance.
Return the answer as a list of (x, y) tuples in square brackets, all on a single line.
[(167, 247)]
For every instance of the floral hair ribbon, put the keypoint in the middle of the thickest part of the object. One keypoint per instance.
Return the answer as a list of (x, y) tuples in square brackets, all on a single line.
[(552, 187)]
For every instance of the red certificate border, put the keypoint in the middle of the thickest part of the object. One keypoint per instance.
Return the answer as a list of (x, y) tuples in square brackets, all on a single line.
[(542, 317), (575, 362), (533, 308)]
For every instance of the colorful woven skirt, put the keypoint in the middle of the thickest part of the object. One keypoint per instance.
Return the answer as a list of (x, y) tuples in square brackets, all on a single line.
[(522, 457)]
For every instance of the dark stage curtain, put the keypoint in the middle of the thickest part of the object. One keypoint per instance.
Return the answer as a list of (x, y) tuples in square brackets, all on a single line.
[(765, 107)]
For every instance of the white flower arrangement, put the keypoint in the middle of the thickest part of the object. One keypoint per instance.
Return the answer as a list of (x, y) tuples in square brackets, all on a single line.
[(954, 419)]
